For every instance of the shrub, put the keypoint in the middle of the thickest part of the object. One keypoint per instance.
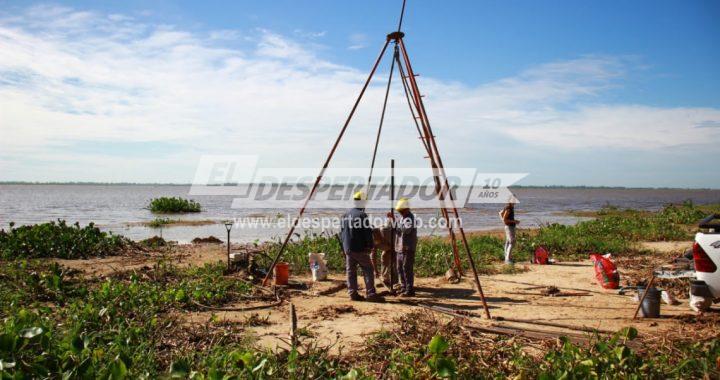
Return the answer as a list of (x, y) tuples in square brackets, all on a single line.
[(173, 205), (58, 240), (111, 329), (159, 222)]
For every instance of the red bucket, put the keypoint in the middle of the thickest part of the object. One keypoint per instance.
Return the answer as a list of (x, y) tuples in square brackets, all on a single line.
[(282, 273)]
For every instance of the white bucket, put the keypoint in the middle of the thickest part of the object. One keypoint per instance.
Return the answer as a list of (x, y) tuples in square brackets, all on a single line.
[(318, 266)]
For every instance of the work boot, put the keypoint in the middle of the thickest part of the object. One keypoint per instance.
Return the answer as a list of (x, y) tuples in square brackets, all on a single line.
[(410, 293), (356, 297), (375, 298)]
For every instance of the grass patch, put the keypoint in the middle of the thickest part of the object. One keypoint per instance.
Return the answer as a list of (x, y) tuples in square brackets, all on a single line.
[(163, 222), (173, 205), (58, 239), (422, 346), (58, 326), (155, 242), (159, 222), (613, 230)]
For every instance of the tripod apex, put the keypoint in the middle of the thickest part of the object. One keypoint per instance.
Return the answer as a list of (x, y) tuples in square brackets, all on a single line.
[(395, 36)]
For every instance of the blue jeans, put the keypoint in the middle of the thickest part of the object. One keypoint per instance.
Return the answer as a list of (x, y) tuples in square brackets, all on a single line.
[(406, 270), (352, 260)]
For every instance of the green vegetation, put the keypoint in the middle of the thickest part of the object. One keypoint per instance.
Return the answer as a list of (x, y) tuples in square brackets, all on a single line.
[(173, 205), (159, 222), (296, 253), (58, 239), (612, 231), (616, 231), (57, 325), (155, 242), (421, 347)]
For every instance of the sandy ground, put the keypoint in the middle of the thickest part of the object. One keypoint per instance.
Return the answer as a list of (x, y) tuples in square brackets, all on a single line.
[(340, 323), (674, 247), (182, 255)]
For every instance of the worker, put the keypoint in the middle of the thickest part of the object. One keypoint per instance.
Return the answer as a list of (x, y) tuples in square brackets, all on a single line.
[(508, 217), (356, 236), (385, 236), (405, 247)]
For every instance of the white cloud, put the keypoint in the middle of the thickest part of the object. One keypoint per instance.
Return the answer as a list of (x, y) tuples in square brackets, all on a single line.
[(70, 76), (358, 41)]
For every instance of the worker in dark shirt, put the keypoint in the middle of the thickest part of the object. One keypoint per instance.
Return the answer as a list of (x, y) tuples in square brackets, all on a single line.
[(356, 236), (405, 247)]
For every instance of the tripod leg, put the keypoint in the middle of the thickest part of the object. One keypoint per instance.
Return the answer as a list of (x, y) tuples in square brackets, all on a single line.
[(453, 240), (325, 166), (441, 170)]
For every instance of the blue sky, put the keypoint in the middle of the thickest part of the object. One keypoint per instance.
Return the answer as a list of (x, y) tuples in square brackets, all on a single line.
[(615, 93)]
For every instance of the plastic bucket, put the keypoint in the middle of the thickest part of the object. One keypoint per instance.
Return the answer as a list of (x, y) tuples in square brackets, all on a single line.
[(651, 305), (282, 273)]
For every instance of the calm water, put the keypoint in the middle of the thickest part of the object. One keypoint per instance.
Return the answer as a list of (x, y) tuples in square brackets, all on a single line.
[(120, 208)]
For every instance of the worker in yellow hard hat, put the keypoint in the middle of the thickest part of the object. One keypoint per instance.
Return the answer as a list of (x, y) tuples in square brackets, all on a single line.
[(405, 247), (402, 204), (357, 242)]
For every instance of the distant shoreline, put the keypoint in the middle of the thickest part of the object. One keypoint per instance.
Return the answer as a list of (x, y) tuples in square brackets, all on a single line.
[(578, 187)]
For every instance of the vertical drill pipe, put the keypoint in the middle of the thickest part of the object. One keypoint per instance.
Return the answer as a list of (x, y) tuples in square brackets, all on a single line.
[(327, 163), (393, 267), (228, 253), (438, 186), (433, 144), (402, 14)]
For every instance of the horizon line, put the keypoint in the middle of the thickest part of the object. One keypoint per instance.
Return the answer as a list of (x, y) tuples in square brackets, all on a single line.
[(91, 183)]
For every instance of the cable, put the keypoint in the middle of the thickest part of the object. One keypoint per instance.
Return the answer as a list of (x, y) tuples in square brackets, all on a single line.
[(382, 116)]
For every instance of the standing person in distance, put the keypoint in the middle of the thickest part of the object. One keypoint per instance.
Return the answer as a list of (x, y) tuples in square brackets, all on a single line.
[(508, 217)]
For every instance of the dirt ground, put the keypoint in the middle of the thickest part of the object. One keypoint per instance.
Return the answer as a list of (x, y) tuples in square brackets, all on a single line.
[(182, 255), (326, 313), (667, 247), (335, 321)]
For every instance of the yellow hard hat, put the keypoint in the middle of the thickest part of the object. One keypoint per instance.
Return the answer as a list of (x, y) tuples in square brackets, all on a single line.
[(359, 196), (402, 204)]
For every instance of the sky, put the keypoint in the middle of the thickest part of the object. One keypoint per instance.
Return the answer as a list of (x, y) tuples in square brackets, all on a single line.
[(593, 93)]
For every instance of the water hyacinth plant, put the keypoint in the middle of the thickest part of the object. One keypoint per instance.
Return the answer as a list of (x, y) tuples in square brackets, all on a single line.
[(170, 205), (58, 239)]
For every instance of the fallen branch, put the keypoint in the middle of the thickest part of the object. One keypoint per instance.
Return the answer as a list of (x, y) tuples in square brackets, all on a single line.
[(560, 294), (552, 324), (246, 308), (531, 334), (465, 314)]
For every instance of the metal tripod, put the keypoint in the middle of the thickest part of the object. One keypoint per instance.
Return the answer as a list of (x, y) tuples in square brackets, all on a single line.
[(422, 124)]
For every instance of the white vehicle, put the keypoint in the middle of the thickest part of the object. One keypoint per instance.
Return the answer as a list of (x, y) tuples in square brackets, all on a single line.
[(706, 253)]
